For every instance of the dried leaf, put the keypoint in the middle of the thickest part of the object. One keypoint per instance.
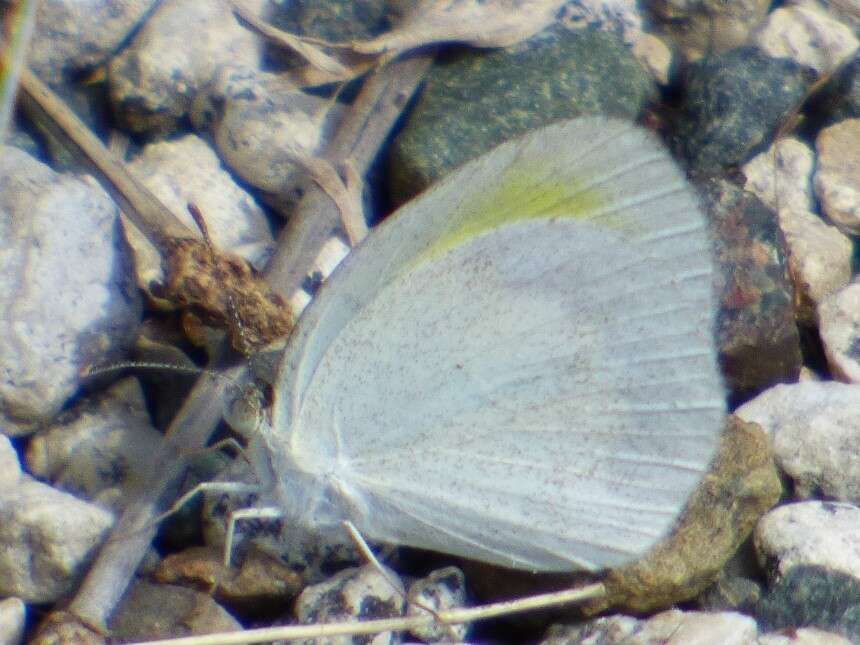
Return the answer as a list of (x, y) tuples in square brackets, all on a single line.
[(345, 194), (480, 23), (224, 290), (312, 53)]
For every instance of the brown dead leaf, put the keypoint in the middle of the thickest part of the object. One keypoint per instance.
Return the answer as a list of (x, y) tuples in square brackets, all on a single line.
[(480, 23), (223, 289), (305, 48)]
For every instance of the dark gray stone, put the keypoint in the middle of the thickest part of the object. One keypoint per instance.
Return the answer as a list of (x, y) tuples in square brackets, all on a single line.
[(734, 102), (811, 596), (476, 100)]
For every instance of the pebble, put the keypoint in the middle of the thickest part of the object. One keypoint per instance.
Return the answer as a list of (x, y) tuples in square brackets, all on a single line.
[(311, 556), (13, 614), (352, 595), (815, 430), (742, 485), (260, 584), (803, 636), (837, 175), (819, 254), (152, 611), (807, 36), (676, 627), (624, 17), (824, 534), (100, 449), (812, 596), (440, 590), (707, 26), (839, 329), (177, 52), (734, 101), (672, 627), (66, 295), (756, 329), (46, 538), (75, 35), (261, 122), (479, 99)]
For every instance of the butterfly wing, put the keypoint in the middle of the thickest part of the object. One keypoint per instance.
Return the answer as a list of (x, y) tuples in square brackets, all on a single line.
[(519, 366)]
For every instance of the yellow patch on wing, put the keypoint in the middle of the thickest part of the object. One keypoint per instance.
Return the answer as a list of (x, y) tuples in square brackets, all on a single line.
[(520, 195)]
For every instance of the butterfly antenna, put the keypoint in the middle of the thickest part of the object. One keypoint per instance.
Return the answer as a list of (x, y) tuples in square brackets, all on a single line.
[(89, 371)]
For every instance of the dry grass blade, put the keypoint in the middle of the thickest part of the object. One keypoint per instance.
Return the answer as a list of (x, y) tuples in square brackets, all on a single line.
[(17, 29), (310, 52), (451, 617), (147, 212), (119, 557), (480, 23), (345, 195)]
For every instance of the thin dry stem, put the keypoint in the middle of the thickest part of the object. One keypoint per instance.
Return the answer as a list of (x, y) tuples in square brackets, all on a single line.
[(147, 212), (308, 51), (120, 556), (450, 617), (16, 30)]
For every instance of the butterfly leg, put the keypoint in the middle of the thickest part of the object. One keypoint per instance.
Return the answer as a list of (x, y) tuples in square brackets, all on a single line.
[(243, 514), (365, 550), (234, 488)]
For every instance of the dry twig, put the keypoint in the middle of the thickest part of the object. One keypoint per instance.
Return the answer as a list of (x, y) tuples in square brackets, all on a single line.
[(451, 617), (16, 29)]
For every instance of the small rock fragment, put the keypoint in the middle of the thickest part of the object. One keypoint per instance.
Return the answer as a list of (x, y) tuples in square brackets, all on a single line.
[(46, 538), (802, 636), (733, 103), (756, 329), (187, 170), (66, 294), (99, 450), (672, 626), (815, 430), (13, 613), (441, 590), (149, 611), (839, 328), (707, 26), (824, 534), (262, 123), (176, 53), (837, 176), (742, 486), (260, 582), (807, 36), (813, 596), (819, 255), (74, 35), (353, 594)]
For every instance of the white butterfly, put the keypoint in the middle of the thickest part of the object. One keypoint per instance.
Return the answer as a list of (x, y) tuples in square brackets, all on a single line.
[(516, 367)]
